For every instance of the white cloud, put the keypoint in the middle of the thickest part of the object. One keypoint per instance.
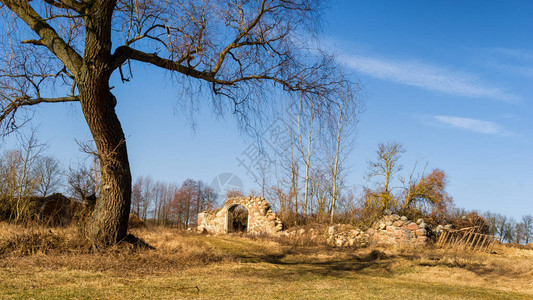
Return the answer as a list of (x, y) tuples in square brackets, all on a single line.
[(474, 125), (427, 76)]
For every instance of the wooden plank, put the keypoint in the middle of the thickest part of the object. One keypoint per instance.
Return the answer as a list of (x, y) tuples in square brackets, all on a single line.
[(468, 242), (439, 241), (443, 237), (481, 243), (492, 245), (464, 240), (477, 237), (446, 239)]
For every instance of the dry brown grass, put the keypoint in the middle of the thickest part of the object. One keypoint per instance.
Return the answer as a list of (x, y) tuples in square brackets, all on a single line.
[(59, 248), (188, 265), (508, 269), (19, 240)]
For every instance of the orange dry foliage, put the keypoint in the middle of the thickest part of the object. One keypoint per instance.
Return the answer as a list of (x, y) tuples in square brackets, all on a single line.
[(428, 196)]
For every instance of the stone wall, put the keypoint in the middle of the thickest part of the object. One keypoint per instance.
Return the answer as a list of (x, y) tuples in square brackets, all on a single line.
[(390, 230), (261, 217)]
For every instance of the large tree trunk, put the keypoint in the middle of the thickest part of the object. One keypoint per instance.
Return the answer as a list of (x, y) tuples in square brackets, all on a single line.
[(109, 222)]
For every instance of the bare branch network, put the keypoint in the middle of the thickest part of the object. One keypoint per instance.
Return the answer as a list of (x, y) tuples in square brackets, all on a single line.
[(235, 47)]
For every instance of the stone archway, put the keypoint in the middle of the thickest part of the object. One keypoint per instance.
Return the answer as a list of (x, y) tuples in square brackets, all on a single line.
[(261, 218), (237, 219)]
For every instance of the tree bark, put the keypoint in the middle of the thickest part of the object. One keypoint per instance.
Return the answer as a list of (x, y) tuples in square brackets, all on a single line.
[(335, 174), (110, 217)]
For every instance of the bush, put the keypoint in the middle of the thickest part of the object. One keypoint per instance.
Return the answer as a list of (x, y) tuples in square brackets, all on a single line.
[(471, 220), (135, 222)]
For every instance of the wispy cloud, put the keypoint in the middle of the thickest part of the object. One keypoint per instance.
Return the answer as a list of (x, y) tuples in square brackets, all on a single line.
[(475, 125), (427, 76), (514, 61)]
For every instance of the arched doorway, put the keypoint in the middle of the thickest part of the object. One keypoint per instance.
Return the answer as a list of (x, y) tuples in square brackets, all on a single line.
[(237, 219)]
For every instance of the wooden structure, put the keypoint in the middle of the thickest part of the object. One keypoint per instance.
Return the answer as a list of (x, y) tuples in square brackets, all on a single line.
[(467, 238)]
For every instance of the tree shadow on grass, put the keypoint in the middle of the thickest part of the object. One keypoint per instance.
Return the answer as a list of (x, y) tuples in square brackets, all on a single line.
[(471, 261), (332, 266)]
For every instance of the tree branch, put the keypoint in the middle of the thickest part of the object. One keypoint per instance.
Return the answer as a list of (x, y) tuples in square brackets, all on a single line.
[(243, 33), (33, 42), (71, 4), (49, 37), (12, 107), (124, 53)]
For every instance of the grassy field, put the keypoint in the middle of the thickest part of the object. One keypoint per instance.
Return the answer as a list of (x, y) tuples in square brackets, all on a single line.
[(186, 265)]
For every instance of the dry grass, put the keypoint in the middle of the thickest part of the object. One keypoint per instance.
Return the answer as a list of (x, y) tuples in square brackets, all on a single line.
[(186, 265), (18, 240), (61, 248)]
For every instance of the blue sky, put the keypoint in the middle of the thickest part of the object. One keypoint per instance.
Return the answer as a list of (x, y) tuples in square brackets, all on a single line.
[(451, 80)]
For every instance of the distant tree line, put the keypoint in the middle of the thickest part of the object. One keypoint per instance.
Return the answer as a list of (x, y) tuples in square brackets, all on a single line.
[(510, 229), (28, 174), (171, 203)]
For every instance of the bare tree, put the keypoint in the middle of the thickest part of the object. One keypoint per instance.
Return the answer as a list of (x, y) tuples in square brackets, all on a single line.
[(237, 50), (386, 165), (192, 197), (518, 232), (527, 220), (81, 181), (147, 192), (306, 116), (286, 163), (207, 197), (30, 151), (18, 180), (342, 124), (158, 207), (10, 162), (491, 219), (503, 226), (137, 196), (508, 230), (165, 193), (49, 174), (321, 191)]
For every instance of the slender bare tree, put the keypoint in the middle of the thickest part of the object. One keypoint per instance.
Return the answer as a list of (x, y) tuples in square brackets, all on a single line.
[(147, 190), (30, 151), (137, 196), (386, 165), (306, 134), (342, 125)]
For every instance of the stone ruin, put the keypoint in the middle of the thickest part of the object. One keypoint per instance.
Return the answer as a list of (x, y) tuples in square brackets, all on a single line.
[(390, 230), (252, 215)]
